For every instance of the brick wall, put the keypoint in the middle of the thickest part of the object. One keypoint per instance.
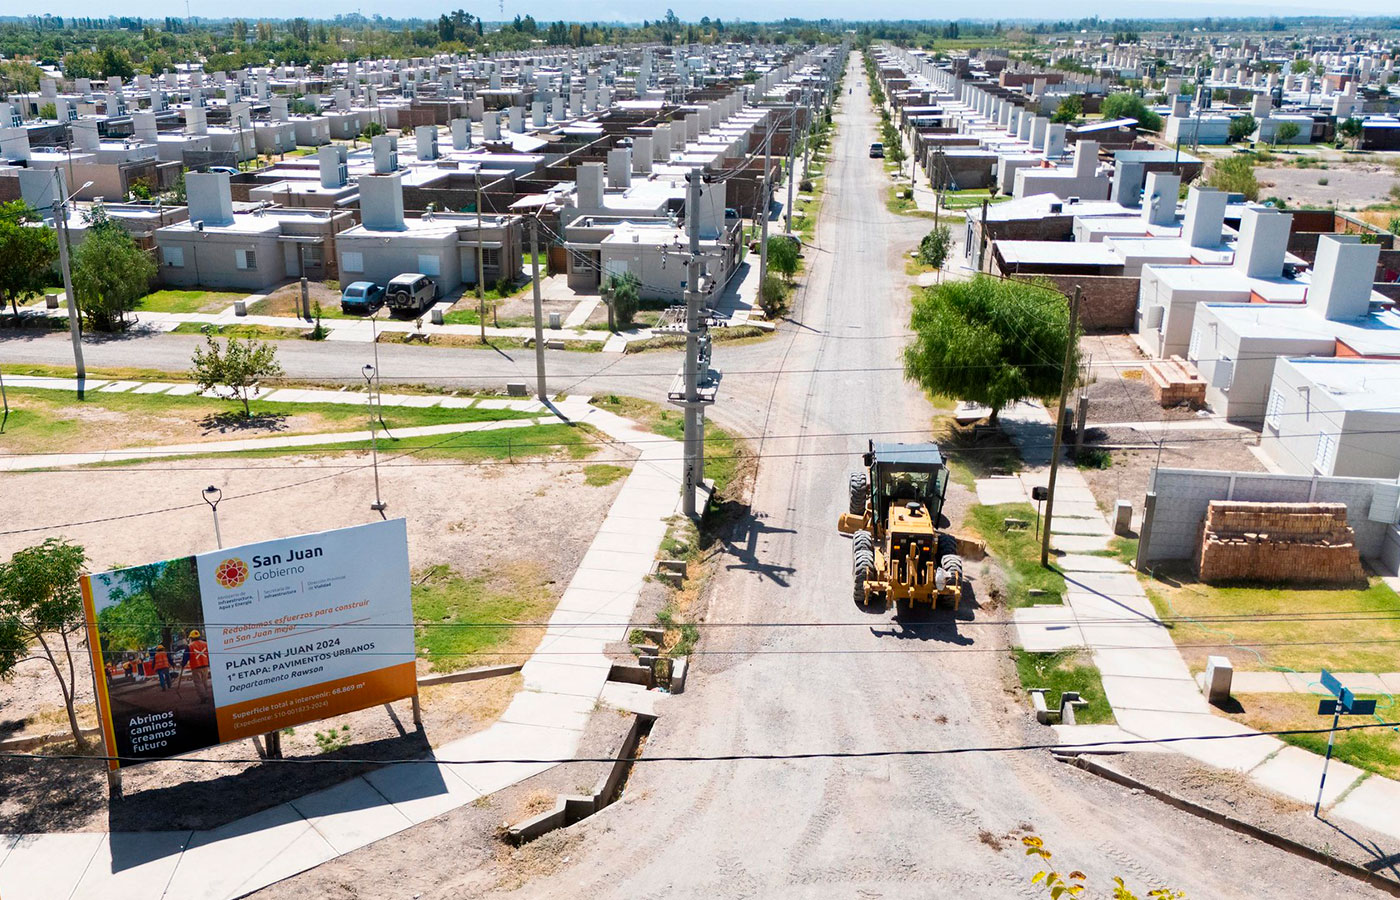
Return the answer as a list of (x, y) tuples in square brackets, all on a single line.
[(1291, 543), (1108, 302)]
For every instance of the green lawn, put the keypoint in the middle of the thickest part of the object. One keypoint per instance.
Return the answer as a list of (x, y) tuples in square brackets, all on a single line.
[(188, 301), (1373, 749), (1067, 670), (262, 332), (724, 452), (509, 445), (1018, 553), (468, 622), (960, 200), (600, 474), (1337, 642)]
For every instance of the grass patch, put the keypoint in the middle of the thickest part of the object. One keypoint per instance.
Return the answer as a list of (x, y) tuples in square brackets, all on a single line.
[(738, 334), (601, 474), (1337, 642), (187, 301), (572, 442), (110, 373), (1018, 552), (288, 304), (973, 458), (262, 332), (1373, 749), (1094, 458), (904, 206), (472, 341), (1125, 550), (467, 622), (963, 200), (1067, 670)]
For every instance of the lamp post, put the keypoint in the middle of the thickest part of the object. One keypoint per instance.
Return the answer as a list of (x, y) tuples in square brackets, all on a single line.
[(212, 496), (60, 222), (378, 505)]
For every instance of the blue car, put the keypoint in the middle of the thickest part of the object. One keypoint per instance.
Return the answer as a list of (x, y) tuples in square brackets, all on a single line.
[(361, 298)]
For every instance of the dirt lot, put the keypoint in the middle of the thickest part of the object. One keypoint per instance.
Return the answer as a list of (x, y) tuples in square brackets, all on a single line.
[(286, 301), (1349, 185), (474, 518)]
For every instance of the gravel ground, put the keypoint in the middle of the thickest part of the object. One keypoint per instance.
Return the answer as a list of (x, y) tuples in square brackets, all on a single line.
[(1347, 185)]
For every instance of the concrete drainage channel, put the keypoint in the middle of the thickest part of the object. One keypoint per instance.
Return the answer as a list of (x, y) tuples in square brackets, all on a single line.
[(571, 808)]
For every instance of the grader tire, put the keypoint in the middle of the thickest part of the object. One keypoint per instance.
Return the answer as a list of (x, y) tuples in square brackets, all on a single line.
[(862, 566), (859, 493), (862, 540), (947, 545)]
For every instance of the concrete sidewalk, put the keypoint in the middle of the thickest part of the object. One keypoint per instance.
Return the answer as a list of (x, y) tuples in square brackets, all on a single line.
[(1153, 694), (563, 681)]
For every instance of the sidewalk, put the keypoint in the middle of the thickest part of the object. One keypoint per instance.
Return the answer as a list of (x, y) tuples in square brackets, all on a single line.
[(1152, 692), (563, 681)]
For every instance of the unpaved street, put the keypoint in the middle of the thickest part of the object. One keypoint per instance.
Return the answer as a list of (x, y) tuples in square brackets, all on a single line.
[(897, 826)]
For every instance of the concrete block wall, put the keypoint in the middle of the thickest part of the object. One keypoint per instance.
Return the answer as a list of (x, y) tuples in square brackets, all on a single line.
[(1108, 302), (1184, 496)]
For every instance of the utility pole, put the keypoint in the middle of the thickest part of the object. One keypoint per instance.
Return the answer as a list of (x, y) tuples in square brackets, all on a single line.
[(539, 309), (1065, 381), (60, 221), (694, 465), (765, 198), (480, 270), (792, 161)]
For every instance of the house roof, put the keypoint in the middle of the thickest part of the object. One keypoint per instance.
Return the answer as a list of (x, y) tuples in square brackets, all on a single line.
[(1354, 384)]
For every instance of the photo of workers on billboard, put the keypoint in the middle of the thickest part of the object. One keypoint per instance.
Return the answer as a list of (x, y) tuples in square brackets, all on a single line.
[(155, 658)]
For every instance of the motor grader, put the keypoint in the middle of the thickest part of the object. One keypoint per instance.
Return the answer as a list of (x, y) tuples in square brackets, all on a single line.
[(897, 550)]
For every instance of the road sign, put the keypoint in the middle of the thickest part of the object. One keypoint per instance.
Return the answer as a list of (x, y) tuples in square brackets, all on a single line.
[(1357, 708), (1330, 683)]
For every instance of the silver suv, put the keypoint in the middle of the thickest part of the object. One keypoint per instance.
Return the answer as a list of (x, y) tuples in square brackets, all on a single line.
[(410, 294)]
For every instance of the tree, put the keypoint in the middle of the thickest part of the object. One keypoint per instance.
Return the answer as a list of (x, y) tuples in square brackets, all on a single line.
[(110, 273), (371, 130), (1069, 110), (772, 296), (1286, 132), (1242, 128), (1235, 175), (40, 603), (934, 248), (989, 341), (1300, 66), (235, 369), (27, 254), (783, 255), (1130, 106), (623, 293), (1350, 128)]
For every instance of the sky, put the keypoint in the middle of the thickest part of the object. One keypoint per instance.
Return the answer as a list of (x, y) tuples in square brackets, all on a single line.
[(636, 10)]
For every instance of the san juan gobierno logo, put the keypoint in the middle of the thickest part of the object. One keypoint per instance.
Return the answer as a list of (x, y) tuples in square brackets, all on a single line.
[(231, 573)]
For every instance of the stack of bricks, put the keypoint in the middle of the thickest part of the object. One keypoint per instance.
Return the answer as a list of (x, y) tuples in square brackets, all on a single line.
[(1176, 382), (1287, 543)]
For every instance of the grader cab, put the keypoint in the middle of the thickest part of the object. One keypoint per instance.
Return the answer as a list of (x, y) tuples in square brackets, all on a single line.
[(898, 552)]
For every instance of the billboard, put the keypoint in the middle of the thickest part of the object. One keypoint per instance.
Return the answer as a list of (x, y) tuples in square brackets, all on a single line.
[(196, 651)]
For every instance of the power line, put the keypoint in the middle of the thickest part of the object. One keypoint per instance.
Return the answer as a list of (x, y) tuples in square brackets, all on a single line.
[(717, 757)]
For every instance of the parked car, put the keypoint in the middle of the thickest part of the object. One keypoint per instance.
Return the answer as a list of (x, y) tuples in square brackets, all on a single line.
[(411, 294), (877, 150), (361, 298), (223, 170)]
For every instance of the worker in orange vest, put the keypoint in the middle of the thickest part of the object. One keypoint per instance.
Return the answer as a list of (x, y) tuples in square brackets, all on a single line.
[(197, 661), (162, 666)]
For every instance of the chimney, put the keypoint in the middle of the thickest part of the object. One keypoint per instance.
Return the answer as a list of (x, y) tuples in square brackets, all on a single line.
[(144, 126), (342, 99), (1159, 198), (711, 212), (620, 168), (558, 110), (1086, 160), (1055, 143), (381, 202), (539, 117), (385, 148), (1205, 217), (85, 134), (425, 142), (1127, 182), (517, 119), (332, 161), (1342, 276), (491, 126), (642, 154), (661, 143), (461, 134), (278, 108), (1262, 243), (1261, 107), (588, 179), (692, 127), (208, 198), (1039, 125), (14, 143)]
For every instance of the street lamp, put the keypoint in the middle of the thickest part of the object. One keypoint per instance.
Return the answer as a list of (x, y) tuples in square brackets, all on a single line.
[(212, 496), (60, 224), (378, 505)]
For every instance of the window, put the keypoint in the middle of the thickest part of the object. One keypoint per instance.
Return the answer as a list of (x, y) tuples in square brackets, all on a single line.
[(245, 259), (1274, 412), (352, 262), (1326, 453), (429, 264), (490, 258), (1193, 352), (173, 256)]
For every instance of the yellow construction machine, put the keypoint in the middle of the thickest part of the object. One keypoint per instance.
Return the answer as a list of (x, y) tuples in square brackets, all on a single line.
[(898, 552)]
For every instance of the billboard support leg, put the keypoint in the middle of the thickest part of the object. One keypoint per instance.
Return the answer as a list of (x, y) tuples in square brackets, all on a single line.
[(114, 784), (417, 713)]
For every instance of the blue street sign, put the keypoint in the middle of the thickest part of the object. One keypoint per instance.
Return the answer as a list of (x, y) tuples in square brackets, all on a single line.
[(1357, 708), (1345, 698), (1330, 682)]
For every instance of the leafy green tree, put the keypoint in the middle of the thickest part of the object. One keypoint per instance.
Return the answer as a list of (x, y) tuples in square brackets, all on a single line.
[(371, 130), (1300, 66), (1069, 110), (1234, 174), (772, 296), (1286, 133), (27, 254), (623, 293), (1242, 127), (1130, 106), (40, 603), (234, 369), (988, 340), (783, 255), (934, 248), (1350, 128), (110, 273)]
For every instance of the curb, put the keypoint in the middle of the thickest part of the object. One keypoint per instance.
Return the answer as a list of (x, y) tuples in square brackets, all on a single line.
[(1360, 873)]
